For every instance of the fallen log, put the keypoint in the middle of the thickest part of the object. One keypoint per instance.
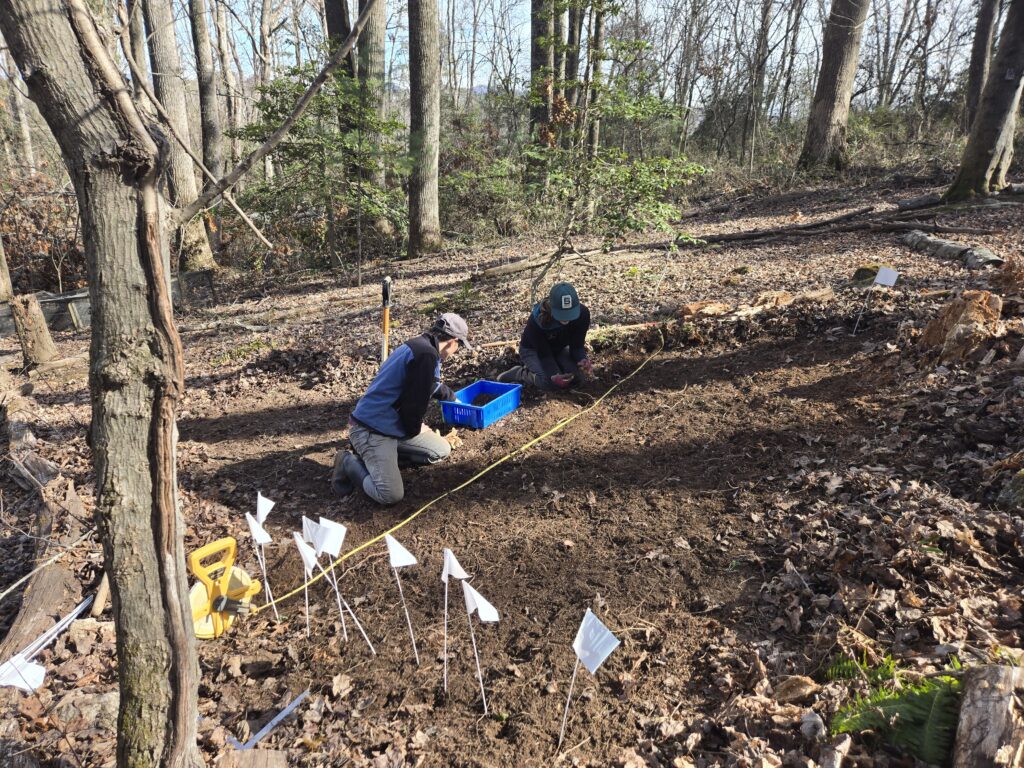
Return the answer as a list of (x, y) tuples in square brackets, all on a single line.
[(991, 727), (973, 257), (914, 203), (757, 234)]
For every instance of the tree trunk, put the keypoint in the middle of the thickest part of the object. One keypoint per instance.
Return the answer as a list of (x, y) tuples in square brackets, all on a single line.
[(825, 143), (136, 374), (137, 40), (36, 342), (424, 127), (266, 66), (169, 87), (981, 55), (596, 57), (542, 67), (339, 26), (371, 80), (231, 96), (6, 289), (991, 727), (990, 147), (209, 101), (572, 52), (19, 114), (560, 22)]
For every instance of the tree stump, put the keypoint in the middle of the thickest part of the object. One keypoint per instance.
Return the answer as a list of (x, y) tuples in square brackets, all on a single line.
[(36, 343), (991, 728)]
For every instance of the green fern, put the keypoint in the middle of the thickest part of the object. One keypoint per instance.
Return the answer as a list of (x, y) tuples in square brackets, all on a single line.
[(846, 667), (921, 718)]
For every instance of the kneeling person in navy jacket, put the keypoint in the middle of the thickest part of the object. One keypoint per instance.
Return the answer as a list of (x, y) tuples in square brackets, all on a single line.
[(387, 427)]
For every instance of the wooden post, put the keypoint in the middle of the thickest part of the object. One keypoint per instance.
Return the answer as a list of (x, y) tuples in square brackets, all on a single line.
[(991, 729), (36, 343)]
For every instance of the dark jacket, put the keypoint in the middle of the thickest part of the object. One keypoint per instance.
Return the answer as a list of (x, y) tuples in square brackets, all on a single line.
[(547, 340), (396, 400)]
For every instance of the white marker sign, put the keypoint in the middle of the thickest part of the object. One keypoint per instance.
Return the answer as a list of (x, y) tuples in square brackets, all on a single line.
[(258, 532), (260, 537), (886, 276), (329, 537)]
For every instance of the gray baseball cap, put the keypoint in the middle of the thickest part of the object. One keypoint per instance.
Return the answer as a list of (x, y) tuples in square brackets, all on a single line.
[(453, 325)]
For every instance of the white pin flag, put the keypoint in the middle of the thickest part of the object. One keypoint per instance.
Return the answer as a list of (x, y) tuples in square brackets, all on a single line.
[(263, 507), (21, 673), (258, 532), (454, 570), (309, 530), (593, 644), (476, 602), (330, 537), (400, 557), (886, 276), (487, 613), (260, 537), (308, 563)]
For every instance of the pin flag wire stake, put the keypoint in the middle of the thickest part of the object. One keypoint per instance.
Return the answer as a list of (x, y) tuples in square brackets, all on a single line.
[(400, 557), (593, 644), (885, 276), (259, 538), (453, 569), (488, 614)]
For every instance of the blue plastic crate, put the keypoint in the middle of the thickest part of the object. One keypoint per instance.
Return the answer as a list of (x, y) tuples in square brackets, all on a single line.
[(479, 416)]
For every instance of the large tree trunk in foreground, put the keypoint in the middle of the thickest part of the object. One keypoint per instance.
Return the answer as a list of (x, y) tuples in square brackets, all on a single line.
[(135, 372), (36, 342), (990, 147), (371, 80), (825, 142), (169, 87), (424, 127), (991, 728), (981, 53)]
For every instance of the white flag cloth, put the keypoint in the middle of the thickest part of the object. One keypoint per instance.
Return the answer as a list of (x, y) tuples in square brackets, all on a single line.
[(594, 642), (886, 276), (263, 507), (307, 552), (452, 567), (309, 530), (476, 602), (329, 537), (21, 673), (400, 556), (258, 532)]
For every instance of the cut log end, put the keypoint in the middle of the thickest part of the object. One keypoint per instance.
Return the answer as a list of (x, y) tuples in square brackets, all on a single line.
[(991, 728)]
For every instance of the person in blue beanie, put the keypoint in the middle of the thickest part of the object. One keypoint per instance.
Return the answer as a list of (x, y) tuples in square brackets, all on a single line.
[(552, 349), (386, 427)]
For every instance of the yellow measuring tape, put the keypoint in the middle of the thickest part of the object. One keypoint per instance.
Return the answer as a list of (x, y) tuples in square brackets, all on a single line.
[(526, 446)]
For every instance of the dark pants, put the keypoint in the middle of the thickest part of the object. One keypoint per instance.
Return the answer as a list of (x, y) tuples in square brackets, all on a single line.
[(382, 455), (532, 370)]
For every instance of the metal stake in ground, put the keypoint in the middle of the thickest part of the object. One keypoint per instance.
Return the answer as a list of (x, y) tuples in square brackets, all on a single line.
[(385, 292), (488, 614), (593, 644), (453, 569), (309, 560), (263, 507), (400, 557)]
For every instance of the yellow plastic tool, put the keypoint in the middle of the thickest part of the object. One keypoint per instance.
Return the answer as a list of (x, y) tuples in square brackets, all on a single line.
[(223, 590)]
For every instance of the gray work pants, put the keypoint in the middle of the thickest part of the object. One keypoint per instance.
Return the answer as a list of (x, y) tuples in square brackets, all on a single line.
[(382, 455)]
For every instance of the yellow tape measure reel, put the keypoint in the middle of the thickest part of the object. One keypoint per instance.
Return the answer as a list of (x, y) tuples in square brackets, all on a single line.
[(223, 590)]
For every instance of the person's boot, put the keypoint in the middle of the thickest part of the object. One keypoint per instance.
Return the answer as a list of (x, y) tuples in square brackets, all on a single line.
[(512, 375), (340, 483), (354, 470)]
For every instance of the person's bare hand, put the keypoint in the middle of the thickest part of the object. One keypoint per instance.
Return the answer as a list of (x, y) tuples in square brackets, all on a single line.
[(561, 380), (586, 366)]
